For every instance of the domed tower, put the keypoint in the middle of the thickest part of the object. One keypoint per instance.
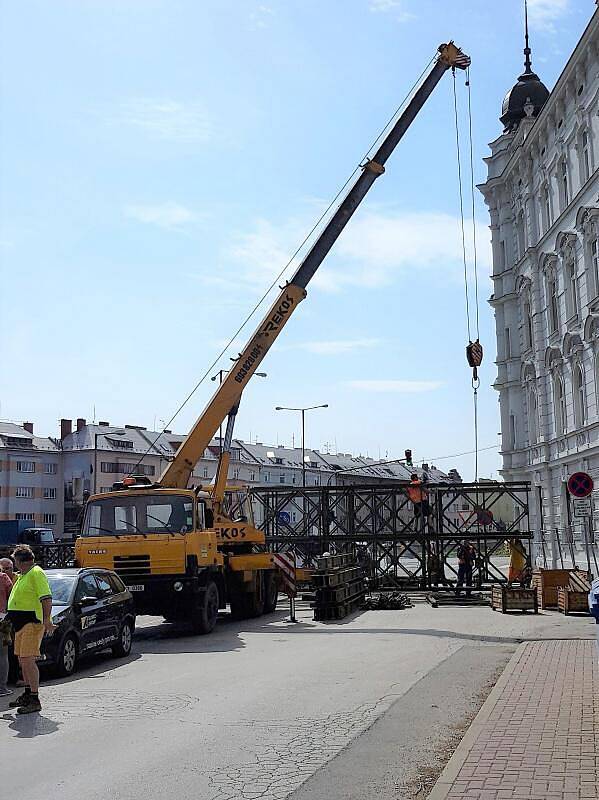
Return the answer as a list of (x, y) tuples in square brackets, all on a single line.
[(528, 91)]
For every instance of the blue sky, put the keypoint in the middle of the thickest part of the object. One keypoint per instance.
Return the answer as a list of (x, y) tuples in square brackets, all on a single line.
[(162, 158)]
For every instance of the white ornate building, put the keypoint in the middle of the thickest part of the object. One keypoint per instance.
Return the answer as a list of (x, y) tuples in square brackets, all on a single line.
[(542, 193)]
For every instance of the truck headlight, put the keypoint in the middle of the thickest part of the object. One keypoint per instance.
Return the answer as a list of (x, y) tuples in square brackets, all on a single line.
[(178, 586)]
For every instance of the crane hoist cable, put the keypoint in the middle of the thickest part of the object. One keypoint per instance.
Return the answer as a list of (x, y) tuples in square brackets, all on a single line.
[(474, 349), (330, 208)]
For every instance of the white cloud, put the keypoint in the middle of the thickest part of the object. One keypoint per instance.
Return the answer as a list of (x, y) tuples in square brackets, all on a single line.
[(376, 249), (260, 16), (338, 347), (542, 14), (168, 120), (164, 215), (394, 7), (401, 387)]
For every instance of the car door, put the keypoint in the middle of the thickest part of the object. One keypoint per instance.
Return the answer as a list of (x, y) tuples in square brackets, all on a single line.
[(111, 608), (90, 615)]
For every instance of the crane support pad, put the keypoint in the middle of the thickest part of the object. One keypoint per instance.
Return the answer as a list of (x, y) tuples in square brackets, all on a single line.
[(252, 561)]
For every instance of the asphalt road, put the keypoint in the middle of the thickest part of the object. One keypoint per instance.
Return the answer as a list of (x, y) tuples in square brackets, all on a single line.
[(265, 708)]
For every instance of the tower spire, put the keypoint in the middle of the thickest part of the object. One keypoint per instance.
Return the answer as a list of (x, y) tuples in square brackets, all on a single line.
[(527, 64)]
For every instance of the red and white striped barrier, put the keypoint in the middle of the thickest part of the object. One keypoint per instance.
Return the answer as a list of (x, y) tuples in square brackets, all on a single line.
[(286, 564)]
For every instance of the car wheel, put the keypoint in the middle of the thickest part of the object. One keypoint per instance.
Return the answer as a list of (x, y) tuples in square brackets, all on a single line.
[(271, 591), (123, 646), (206, 610), (67, 657)]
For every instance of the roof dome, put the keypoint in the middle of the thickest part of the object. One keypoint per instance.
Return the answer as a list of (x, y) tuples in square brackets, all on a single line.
[(529, 91)]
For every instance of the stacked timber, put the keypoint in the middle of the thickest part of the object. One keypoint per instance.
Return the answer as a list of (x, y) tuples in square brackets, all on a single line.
[(339, 587), (574, 596)]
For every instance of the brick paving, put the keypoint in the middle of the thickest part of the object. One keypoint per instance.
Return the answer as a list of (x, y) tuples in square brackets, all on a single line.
[(537, 736)]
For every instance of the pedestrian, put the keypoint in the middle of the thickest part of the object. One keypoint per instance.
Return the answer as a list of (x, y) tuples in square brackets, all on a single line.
[(466, 558), (30, 613), (8, 568), (5, 632), (419, 497)]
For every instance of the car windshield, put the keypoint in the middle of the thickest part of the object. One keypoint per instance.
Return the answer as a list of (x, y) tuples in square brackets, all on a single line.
[(62, 587), (140, 513), (46, 537)]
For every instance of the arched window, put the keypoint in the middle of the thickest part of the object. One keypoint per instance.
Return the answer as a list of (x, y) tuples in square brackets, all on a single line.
[(546, 208), (527, 320), (559, 405), (533, 417), (572, 300), (565, 183), (585, 156), (521, 235), (578, 389), (552, 303)]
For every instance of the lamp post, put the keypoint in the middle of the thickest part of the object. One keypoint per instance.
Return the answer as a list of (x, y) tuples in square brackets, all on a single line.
[(96, 435), (220, 375), (303, 412)]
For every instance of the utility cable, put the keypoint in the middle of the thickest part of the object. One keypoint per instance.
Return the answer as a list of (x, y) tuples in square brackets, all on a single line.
[(285, 268)]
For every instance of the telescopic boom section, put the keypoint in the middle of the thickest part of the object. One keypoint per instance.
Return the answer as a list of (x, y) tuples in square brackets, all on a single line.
[(228, 394)]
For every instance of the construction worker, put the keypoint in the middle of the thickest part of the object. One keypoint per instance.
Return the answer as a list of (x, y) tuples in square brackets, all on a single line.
[(466, 559), (419, 497)]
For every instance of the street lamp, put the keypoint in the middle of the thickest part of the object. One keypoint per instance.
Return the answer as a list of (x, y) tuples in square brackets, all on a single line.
[(102, 433), (220, 375), (303, 412)]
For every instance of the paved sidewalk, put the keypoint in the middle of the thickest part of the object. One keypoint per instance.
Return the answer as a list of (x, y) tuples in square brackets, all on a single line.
[(537, 735)]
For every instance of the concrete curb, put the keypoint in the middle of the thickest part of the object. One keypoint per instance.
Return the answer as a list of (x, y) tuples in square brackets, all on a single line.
[(446, 779)]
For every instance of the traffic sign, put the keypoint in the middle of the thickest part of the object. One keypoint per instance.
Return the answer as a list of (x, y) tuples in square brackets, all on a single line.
[(583, 506), (580, 484), (284, 517)]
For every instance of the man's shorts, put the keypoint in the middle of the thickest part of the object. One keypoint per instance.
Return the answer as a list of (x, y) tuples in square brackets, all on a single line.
[(425, 506), (29, 639)]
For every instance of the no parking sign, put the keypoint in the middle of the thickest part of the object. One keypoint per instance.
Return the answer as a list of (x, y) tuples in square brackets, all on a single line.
[(580, 484)]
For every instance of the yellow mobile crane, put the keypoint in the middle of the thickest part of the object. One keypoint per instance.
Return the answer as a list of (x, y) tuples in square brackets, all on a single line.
[(174, 546)]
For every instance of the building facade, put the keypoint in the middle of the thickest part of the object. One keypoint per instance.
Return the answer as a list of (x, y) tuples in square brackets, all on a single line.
[(31, 480), (542, 193)]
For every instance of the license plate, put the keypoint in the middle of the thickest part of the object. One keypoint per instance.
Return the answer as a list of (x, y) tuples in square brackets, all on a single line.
[(137, 587)]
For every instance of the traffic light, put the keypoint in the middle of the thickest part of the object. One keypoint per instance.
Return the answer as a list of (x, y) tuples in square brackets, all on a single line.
[(408, 455)]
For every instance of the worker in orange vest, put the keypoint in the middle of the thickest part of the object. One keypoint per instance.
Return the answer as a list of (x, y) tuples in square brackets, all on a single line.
[(419, 497)]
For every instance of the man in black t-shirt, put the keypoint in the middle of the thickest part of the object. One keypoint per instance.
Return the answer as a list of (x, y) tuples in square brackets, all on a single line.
[(466, 559)]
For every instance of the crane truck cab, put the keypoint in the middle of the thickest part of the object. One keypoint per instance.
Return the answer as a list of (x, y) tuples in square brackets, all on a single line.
[(179, 558)]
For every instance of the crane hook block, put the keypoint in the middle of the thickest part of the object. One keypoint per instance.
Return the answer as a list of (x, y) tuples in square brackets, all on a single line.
[(474, 354)]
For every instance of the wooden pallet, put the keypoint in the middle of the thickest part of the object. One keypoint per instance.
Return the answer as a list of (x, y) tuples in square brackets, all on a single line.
[(512, 598), (548, 581)]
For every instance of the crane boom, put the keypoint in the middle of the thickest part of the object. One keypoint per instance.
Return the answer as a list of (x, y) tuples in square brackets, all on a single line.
[(227, 396)]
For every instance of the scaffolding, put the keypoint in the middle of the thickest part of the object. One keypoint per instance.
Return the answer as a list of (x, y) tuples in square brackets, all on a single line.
[(396, 547)]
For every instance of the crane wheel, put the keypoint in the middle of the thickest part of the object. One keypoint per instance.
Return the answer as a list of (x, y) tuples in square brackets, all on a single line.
[(271, 591), (206, 610), (245, 605)]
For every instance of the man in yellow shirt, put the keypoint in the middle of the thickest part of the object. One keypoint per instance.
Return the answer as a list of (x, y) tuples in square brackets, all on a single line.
[(30, 613)]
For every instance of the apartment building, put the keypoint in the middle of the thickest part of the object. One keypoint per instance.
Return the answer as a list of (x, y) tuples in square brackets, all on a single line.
[(31, 479)]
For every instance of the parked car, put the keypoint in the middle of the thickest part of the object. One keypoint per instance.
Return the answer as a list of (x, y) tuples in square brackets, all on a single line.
[(93, 611)]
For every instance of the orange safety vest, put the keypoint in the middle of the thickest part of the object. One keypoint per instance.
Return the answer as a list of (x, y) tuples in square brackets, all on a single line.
[(415, 492)]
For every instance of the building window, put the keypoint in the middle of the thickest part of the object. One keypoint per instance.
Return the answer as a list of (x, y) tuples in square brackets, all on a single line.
[(252, 476), (586, 156), (520, 233), (50, 469), (49, 494), (126, 469), (236, 473), (24, 491), (572, 293), (564, 177), (546, 209), (266, 477), (25, 466), (552, 304), (580, 412), (27, 515), (512, 432), (121, 444), (49, 519), (281, 479), (559, 405), (205, 473), (595, 263), (508, 344), (533, 418), (528, 338)]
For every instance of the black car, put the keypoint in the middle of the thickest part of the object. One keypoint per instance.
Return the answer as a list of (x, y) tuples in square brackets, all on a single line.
[(93, 610)]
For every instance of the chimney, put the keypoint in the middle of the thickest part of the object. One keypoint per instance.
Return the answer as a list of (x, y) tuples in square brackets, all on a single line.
[(66, 427), (80, 424), (28, 427), (104, 424)]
